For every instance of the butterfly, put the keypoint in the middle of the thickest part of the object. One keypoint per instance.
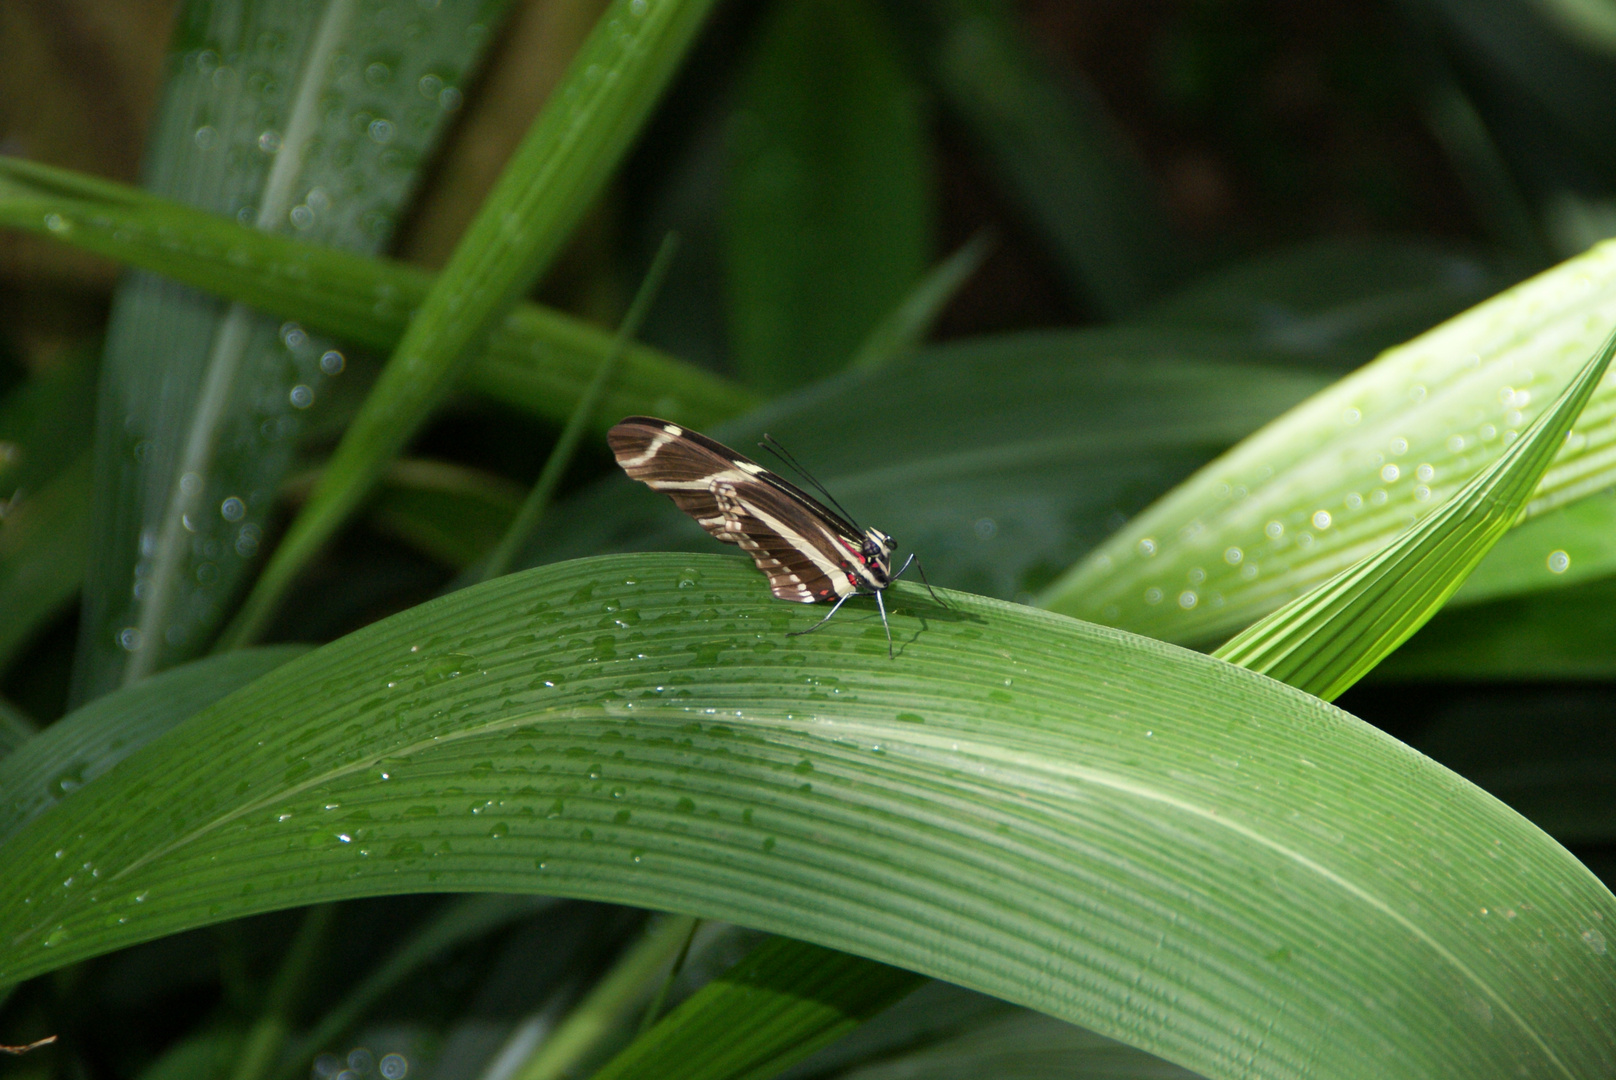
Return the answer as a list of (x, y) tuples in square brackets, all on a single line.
[(809, 552)]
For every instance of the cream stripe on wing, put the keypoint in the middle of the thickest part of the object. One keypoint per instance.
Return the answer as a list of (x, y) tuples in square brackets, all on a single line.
[(837, 575), (658, 441)]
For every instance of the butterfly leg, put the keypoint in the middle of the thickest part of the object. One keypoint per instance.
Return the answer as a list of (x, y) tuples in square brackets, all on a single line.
[(834, 609), (881, 604)]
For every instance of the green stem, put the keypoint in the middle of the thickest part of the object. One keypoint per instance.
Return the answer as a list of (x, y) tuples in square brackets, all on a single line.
[(611, 999), (267, 1039), (538, 500), (654, 1010)]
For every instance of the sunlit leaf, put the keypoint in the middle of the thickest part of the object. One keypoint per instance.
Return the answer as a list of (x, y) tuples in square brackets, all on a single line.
[(1329, 637), (1337, 477), (1159, 846)]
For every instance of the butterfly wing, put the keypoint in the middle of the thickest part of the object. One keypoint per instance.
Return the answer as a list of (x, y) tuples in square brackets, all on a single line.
[(797, 545)]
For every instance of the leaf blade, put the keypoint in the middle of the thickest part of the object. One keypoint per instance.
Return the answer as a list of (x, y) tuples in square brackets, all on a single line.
[(1330, 637), (1133, 778)]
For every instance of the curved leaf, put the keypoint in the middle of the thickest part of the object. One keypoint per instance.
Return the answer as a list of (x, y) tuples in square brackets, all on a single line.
[(1164, 848), (1337, 477), (538, 359)]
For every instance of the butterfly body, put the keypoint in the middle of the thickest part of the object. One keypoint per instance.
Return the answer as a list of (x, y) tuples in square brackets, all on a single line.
[(809, 552)]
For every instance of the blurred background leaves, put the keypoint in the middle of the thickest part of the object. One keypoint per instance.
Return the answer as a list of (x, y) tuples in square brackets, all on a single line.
[(1198, 215)]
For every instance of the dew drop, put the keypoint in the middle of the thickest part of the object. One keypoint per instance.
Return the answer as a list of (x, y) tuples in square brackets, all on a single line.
[(1559, 562)]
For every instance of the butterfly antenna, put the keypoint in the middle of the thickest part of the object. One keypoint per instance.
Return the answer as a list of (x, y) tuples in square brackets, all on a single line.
[(922, 568), (774, 446), (905, 569)]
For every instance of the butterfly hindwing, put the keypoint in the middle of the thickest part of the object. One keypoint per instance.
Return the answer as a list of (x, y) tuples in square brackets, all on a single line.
[(807, 552)]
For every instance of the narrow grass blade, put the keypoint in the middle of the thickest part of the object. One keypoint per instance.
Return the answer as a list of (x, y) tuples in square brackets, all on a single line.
[(1327, 639), (464, 919), (608, 1005), (906, 326), (569, 152), (1338, 477), (1020, 803), (538, 500), (537, 359), (796, 998)]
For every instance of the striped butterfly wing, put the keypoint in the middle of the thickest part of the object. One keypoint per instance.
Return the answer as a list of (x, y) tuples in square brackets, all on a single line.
[(803, 549)]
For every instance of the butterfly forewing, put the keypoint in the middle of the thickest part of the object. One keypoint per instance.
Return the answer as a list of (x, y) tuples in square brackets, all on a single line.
[(807, 551)]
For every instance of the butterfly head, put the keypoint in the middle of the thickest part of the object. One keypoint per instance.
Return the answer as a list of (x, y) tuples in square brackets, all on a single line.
[(878, 552)]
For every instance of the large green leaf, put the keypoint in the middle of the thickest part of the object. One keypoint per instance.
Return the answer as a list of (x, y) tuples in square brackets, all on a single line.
[(538, 359), (312, 120), (1322, 642), (1337, 477), (1022, 483), (1157, 845), (563, 161), (829, 191)]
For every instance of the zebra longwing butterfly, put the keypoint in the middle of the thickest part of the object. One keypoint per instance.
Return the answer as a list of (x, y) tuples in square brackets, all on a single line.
[(809, 552)]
